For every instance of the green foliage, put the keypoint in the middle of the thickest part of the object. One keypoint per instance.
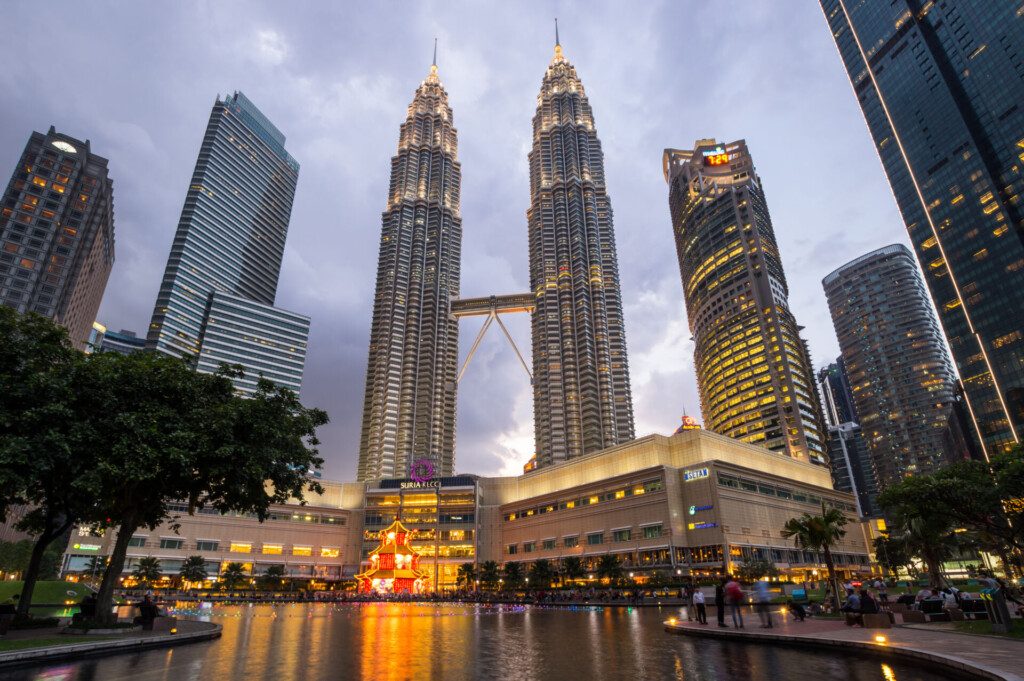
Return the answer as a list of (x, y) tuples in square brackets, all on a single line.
[(819, 533), (609, 567), (193, 569), (541, 573), (513, 574), (147, 570), (272, 578), (233, 574), (892, 553), (923, 526), (489, 573), (572, 568), (14, 555), (467, 573), (757, 569)]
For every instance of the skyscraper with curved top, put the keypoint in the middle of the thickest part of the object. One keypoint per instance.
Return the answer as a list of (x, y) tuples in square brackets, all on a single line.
[(409, 404), (582, 398), (753, 369)]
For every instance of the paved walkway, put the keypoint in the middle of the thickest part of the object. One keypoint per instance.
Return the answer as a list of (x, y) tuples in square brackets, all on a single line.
[(189, 631), (988, 656)]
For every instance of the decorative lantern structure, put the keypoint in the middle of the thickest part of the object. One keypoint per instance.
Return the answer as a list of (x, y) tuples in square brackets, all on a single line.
[(689, 423), (394, 565)]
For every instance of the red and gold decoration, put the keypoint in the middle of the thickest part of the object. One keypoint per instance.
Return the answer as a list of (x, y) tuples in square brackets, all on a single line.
[(394, 566), (689, 423)]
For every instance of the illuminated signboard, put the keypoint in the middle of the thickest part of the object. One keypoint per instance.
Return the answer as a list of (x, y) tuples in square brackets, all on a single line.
[(715, 157), (701, 526), (87, 547), (696, 474), (694, 510)]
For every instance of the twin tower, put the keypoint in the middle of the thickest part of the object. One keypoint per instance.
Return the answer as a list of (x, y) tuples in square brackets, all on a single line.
[(581, 393)]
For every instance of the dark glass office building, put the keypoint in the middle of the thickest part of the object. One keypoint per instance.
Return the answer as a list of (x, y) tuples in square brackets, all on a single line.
[(582, 400), (853, 469), (901, 378), (753, 370), (57, 233), (216, 300), (941, 85), (409, 400)]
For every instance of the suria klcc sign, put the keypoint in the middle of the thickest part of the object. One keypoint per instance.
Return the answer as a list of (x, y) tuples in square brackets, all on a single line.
[(422, 475)]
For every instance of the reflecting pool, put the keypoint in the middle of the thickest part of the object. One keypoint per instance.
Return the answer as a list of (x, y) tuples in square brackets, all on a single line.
[(393, 642)]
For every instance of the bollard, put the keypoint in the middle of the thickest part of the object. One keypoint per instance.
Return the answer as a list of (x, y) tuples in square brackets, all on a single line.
[(998, 613)]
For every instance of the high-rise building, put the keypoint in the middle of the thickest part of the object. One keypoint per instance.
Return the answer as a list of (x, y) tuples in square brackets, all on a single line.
[(101, 339), (940, 86), (57, 233), (853, 469), (409, 404), (900, 375), (753, 369), (581, 394), (216, 300)]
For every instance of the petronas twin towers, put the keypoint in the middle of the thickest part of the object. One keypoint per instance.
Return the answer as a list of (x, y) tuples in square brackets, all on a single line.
[(582, 398)]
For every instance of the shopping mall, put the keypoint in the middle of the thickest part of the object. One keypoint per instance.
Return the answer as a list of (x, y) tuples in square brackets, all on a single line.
[(694, 503)]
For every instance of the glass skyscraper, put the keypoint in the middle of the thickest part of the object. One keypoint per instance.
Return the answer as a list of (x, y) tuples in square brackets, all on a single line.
[(57, 233), (901, 378), (941, 85), (582, 397), (753, 368), (217, 295), (409, 401)]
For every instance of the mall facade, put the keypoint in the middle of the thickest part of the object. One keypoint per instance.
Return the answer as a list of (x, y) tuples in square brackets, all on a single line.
[(695, 503)]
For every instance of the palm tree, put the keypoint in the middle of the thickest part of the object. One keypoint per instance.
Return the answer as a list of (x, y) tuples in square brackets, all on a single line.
[(541, 572), (232, 575), (513, 574), (467, 573), (95, 566), (609, 566), (819, 533), (489, 573), (572, 568), (272, 577), (193, 569), (147, 570)]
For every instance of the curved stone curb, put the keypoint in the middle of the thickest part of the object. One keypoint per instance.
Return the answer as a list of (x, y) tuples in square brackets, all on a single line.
[(942, 660), (72, 651)]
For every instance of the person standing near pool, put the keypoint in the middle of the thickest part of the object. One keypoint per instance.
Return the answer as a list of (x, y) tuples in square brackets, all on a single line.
[(734, 596), (698, 602), (720, 601)]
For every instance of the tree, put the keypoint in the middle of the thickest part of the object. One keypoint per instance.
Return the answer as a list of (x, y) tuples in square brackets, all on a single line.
[(609, 567), (756, 569), (193, 569), (572, 568), (819, 533), (14, 556), (232, 575), (95, 566), (273, 577), (467, 573), (160, 432), (891, 553), (39, 411), (147, 570), (926, 529), (489, 573), (541, 573), (513, 574)]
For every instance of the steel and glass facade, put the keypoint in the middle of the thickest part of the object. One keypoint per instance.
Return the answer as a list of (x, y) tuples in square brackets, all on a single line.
[(753, 368), (57, 233), (582, 398), (409, 403), (229, 246), (900, 375), (941, 88)]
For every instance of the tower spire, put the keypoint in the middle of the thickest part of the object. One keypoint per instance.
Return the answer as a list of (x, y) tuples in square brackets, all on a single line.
[(435, 53), (558, 43), (433, 65)]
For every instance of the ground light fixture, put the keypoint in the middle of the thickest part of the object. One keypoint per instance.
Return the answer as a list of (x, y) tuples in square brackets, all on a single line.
[(881, 640)]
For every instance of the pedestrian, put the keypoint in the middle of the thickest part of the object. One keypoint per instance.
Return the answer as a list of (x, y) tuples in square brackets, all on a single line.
[(734, 596), (764, 600), (698, 601), (720, 601), (883, 592), (686, 603)]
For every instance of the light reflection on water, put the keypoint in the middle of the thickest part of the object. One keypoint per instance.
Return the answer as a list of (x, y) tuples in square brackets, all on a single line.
[(396, 642)]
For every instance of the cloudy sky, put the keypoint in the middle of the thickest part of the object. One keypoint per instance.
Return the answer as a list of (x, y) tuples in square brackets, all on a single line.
[(138, 80)]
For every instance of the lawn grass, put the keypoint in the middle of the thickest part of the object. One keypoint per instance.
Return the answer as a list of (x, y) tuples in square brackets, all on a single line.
[(985, 627), (26, 643), (47, 592)]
